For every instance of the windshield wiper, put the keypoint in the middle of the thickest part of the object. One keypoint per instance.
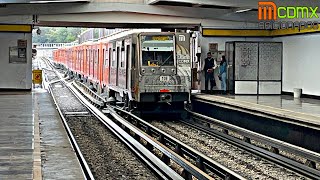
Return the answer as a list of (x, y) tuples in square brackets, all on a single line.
[(165, 60)]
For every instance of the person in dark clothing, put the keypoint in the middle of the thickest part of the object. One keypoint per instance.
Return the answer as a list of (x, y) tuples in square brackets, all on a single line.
[(209, 65)]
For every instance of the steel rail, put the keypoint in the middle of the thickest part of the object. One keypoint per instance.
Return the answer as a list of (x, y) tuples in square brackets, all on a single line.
[(203, 162), (84, 165), (203, 166), (160, 168), (284, 161), (120, 122)]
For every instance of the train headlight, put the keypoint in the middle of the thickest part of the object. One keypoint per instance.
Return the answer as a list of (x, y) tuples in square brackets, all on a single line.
[(153, 70), (143, 71), (163, 70), (173, 70)]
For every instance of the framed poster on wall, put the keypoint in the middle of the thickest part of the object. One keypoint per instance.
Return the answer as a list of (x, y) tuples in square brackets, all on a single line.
[(17, 55), (213, 47)]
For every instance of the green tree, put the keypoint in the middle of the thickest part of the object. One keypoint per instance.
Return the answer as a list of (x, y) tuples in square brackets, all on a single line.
[(56, 35)]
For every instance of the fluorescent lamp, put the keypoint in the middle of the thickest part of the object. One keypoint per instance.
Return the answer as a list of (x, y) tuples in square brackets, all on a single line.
[(242, 10)]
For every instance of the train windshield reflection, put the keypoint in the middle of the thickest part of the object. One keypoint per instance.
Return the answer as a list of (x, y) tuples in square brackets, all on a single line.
[(157, 50)]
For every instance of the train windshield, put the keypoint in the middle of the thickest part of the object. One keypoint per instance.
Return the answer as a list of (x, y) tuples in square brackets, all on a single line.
[(157, 50)]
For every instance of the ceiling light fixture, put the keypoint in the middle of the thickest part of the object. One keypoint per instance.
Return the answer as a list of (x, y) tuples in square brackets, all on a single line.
[(243, 10)]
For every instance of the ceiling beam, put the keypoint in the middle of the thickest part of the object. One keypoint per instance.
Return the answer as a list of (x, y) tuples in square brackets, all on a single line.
[(75, 8), (227, 3), (252, 4), (134, 20)]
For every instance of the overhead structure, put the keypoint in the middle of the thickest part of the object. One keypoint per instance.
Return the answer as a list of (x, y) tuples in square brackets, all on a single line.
[(40, 1), (223, 14), (125, 13)]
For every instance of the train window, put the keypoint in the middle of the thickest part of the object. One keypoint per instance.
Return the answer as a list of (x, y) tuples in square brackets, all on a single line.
[(133, 55), (123, 58), (128, 53), (118, 55), (103, 57), (91, 55), (157, 50), (98, 55), (87, 54), (108, 61), (113, 62), (159, 58), (106, 58)]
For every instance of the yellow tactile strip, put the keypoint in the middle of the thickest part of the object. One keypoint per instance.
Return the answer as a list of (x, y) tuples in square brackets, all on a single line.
[(37, 174), (284, 113)]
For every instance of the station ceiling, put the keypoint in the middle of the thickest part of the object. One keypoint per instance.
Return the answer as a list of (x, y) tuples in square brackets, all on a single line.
[(98, 13)]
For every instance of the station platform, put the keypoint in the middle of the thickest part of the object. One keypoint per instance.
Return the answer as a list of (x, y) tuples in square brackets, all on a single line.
[(33, 141), (285, 106)]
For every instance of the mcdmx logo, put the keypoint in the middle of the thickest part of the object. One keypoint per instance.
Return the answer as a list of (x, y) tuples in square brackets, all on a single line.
[(272, 16)]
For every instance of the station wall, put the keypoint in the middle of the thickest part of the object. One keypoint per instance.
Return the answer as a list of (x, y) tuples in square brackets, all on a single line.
[(204, 41), (301, 63), (15, 75)]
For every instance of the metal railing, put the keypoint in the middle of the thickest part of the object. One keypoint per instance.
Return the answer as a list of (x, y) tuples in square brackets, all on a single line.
[(52, 45)]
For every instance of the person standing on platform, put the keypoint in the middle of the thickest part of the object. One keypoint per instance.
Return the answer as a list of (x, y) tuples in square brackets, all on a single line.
[(209, 65), (223, 74)]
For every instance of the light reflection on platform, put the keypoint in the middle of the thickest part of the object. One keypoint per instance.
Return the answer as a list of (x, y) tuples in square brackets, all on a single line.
[(302, 105)]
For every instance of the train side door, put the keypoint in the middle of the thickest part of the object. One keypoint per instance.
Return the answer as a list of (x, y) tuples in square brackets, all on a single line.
[(118, 61), (128, 65), (95, 62), (113, 69), (80, 59), (85, 69), (91, 62), (105, 70), (109, 63), (100, 62), (122, 66), (88, 60)]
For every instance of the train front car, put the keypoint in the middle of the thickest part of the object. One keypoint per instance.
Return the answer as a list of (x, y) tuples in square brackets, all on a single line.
[(164, 81)]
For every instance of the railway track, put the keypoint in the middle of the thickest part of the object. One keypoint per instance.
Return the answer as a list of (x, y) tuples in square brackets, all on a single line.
[(106, 152), (102, 149), (293, 168), (295, 158), (50, 77), (189, 161), (166, 162)]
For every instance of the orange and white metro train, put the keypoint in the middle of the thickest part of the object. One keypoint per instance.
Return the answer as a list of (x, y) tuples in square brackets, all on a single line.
[(140, 68)]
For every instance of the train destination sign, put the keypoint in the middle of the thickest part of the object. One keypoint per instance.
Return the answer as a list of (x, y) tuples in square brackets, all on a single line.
[(160, 38)]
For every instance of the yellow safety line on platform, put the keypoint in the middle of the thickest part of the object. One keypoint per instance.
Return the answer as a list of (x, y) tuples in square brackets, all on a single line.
[(255, 32), (37, 172), (15, 28)]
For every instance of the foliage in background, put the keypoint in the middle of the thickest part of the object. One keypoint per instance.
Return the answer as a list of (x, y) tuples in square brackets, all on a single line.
[(56, 35)]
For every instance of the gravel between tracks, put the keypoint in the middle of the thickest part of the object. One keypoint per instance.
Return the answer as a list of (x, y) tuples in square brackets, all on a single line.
[(240, 161), (107, 157)]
